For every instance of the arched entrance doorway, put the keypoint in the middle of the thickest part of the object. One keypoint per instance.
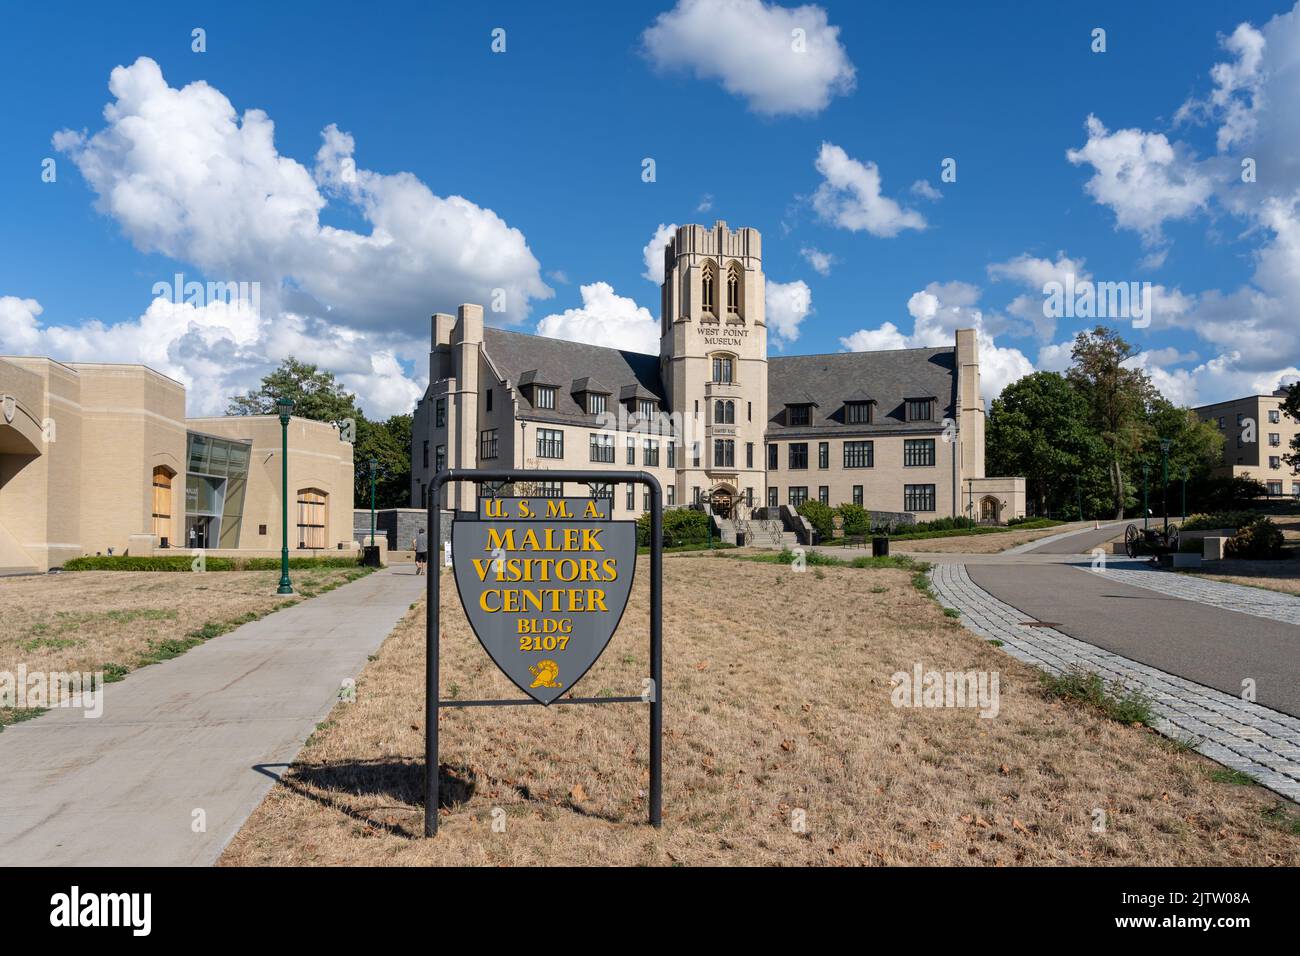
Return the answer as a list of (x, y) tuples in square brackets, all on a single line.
[(722, 499), (990, 510)]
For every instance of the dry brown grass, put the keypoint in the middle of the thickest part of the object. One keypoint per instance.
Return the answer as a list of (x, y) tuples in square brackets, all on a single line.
[(777, 698), (86, 619), (977, 543), (1281, 576)]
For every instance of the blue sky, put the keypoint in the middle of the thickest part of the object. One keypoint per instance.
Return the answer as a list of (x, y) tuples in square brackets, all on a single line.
[(368, 165)]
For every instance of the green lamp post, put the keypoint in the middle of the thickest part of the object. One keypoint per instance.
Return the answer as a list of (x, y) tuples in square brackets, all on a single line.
[(284, 406), (373, 467), (1184, 508), (1146, 510), (1165, 444)]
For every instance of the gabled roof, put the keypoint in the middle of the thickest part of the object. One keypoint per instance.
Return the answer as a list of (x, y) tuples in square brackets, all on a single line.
[(535, 377), (588, 384), (557, 360), (892, 376), (629, 392), (858, 396)]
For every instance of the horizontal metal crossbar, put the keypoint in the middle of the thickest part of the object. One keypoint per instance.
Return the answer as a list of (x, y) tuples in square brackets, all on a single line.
[(558, 700)]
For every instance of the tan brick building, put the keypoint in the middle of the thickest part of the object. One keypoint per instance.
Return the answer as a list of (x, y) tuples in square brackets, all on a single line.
[(717, 420), (99, 458), (1256, 434)]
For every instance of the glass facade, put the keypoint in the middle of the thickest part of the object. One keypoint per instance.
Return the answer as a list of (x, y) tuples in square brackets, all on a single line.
[(216, 480)]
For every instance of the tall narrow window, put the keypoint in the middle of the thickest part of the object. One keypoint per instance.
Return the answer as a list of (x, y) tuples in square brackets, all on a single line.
[(311, 518), (706, 289), (733, 291), (162, 501)]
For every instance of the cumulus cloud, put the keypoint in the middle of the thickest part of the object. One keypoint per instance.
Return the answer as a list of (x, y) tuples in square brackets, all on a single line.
[(1147, 180), (781, 61), (786, 305), (1142, 177), (849, 196), (653, 252), (923, 189), (218, 349), (605, 318), (184, 174), (821, 262), (937, 312), (1035, 273)]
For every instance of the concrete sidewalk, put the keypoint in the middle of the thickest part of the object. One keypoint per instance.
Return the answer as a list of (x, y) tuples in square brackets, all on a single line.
[(186, 735)]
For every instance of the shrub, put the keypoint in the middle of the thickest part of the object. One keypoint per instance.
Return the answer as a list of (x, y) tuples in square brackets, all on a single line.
[(681, 526), (857, 519), (1221, 519), (820, 516), (942, 524), (1261, 539)]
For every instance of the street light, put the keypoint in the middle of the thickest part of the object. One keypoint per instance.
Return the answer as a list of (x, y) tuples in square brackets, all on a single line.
[(373, 467), (1184, 509), (1146, 511), (1165, 443), (284, 406)]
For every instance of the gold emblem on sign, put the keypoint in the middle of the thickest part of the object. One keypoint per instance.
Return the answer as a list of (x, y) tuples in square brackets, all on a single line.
[(544, 674)]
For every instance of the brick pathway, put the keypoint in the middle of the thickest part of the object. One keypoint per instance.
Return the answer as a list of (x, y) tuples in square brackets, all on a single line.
[(1273, 605), (1239, 734)]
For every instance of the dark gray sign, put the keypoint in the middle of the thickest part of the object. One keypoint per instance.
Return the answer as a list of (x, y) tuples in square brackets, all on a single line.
[(544, 583)]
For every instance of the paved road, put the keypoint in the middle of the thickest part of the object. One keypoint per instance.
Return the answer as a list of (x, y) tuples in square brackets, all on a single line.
[(1077, 543), (1209, 645), (187, 735)]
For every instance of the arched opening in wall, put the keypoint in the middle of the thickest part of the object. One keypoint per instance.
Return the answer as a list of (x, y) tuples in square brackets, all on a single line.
[(735, 288), (312, 513), (724, 368), (724, 412), (990, 510), (708, 291), (162, 504)]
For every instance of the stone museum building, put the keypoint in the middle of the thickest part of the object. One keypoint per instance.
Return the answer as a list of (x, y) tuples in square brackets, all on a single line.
[(718, 421), (100, 459)]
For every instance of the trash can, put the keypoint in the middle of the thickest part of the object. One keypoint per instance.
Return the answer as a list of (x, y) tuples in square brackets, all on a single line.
[(370, 556), (880, 547)]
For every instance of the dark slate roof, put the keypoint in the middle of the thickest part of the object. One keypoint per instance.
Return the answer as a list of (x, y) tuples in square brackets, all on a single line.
[(825, 381), (558, 360), (890, 377), (588, 384)]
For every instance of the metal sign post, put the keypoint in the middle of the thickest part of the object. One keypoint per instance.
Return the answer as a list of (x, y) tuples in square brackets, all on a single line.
[(494, 536)]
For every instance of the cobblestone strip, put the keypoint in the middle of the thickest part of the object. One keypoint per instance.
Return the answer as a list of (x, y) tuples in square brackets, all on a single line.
[(1240, 734), (1273, 605)]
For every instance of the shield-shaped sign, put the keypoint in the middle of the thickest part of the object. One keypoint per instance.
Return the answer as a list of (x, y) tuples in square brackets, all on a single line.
[(544, 583), (9, 406)]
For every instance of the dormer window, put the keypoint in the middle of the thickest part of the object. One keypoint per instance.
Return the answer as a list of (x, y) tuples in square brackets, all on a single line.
[(798, 415), (857, 413), (595, 404), (920, 409), (645, 408), (544, 397), (733, 291)]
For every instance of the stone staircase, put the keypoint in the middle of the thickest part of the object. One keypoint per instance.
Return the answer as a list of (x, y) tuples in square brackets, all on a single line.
[(758, 533)]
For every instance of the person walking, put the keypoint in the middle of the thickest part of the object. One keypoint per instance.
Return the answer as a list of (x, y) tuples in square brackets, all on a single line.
[(421, 545)]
